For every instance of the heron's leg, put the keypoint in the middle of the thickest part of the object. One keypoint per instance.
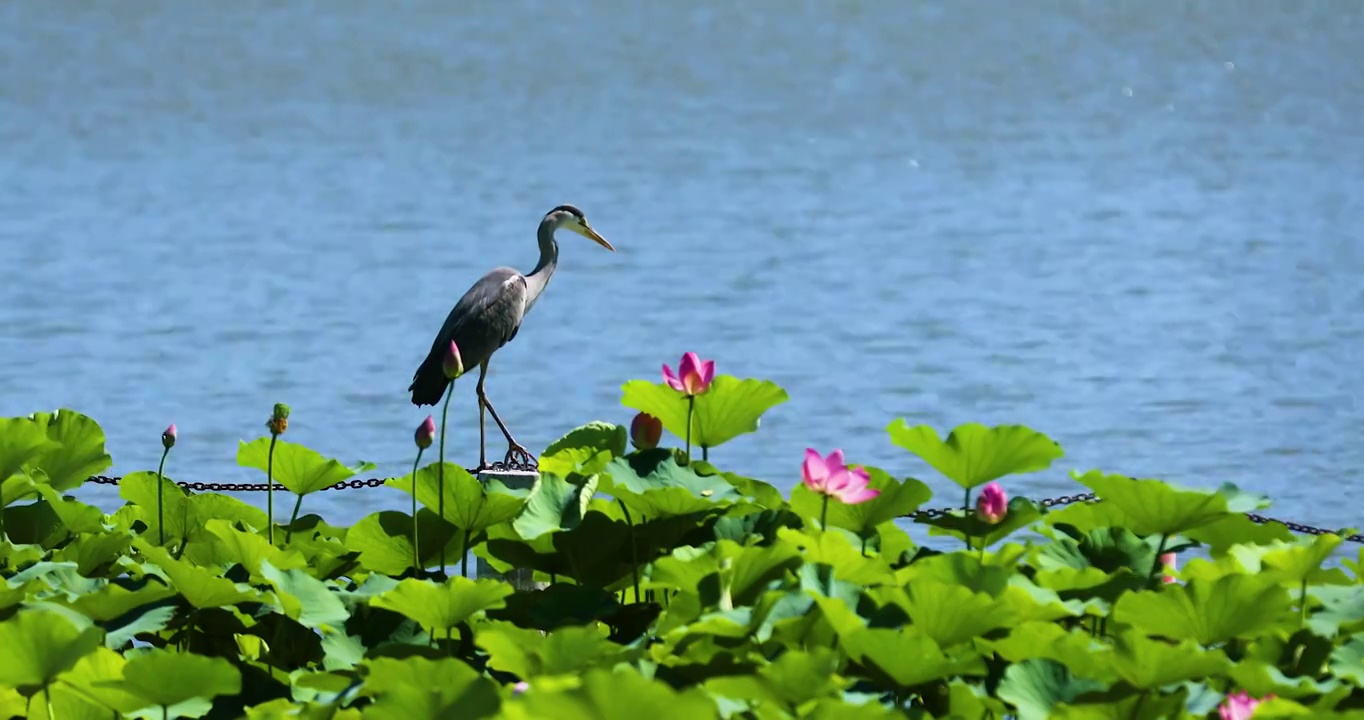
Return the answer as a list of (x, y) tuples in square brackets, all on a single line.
[(482, 437), (515, 450)]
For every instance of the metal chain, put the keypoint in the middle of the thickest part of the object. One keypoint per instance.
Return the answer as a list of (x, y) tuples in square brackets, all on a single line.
[(917, 515)]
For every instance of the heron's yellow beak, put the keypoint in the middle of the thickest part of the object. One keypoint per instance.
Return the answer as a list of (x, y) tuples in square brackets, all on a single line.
[(586, 231)]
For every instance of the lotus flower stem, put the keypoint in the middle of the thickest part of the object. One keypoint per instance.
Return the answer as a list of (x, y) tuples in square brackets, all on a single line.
[(824, 514), (416, 556), (691, 407), (1302, 606), (966, 510), (705, 453), (464, 556), (160, 506), (440, 475), (634, 558), (293, 519), (1156, 564), (270, 490)]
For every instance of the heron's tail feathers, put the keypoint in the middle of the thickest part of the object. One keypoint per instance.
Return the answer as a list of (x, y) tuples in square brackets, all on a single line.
[(428, 384)]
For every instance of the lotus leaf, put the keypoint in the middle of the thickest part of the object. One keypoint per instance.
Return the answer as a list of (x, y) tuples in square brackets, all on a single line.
[(585, 450), (555, 504), (440, 607), (607, 695), (384, 540), (40, 645), (421, 688), (469, 504), (730, 408), (300, 469), (1036, 686), (76, 450), (973, 454), (652, 483), (1209, 611)]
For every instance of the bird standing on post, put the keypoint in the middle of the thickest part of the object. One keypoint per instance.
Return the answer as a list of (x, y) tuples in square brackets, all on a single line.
[(488, 317)]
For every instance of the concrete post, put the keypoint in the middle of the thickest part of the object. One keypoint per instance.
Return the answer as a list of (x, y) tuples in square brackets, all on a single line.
[(520, 578)]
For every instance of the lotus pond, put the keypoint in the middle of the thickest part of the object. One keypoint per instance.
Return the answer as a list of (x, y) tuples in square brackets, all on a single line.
[(672, 588)]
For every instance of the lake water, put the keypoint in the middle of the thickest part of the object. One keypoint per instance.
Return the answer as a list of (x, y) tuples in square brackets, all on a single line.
[(1134, 226)]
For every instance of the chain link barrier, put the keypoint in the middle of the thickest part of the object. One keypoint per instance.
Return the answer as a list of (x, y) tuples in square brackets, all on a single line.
[(930, 513)]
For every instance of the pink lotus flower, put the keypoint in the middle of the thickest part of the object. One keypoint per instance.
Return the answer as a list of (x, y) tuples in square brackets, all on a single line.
[(1239, 706), (992, 504), (645, 431), (1167, 561), (693, 375), (520, 687), (426, 432), (830, 476), (168, 437), (452, 365)]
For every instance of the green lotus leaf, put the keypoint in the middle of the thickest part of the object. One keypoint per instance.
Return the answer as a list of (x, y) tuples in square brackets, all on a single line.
[(217, 542), (167, 679), (1022, 512), (896, 499), (1209, 611), (730, 408), (15, 489), (74, 514), (950, 614), (313, 603), (22, 441), (793, 679), (384, 540), (1148, 664), (416, 687), (1036, 686), (470, 505), (39, 645), (1300, 561), (1155, 507), (440, 607), (114, 600), (1086, 516), (93, 553), (1237, 529), (1260, 678), (214, 506), (725, 573), (1123, 704), (836, 551), (585, 450), (139, 488), (1341, 611), (907, 657), (652, 484), (200, 587), (300, 469), (973, 454), (1347, 661), (965, 570), (76, 450), (98, 677), (751, 527), (555, 504), (760, 493), (1108, 549), (56, 580), (558, 605), (147, 620), (1082, 655), (529, 653), (608, 695)]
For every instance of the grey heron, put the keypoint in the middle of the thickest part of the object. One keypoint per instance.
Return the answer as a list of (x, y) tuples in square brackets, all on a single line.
[(489, 316)]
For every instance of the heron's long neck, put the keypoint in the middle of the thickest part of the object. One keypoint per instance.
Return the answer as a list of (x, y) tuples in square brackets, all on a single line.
[(538, 278)]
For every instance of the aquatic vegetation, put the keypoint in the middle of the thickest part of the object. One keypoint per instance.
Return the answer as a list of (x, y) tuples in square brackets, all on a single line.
[(674, 589)]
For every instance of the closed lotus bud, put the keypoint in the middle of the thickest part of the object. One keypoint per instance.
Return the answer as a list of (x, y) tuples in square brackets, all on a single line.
[(279, 419), (1167, 563), (168, 437), (645, 431), (452, 365), (992, 504), (426, 432)]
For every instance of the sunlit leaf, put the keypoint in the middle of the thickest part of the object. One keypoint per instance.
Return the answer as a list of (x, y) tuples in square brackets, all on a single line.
[(585, 450), (384, 540), (416, 687), (1021, 513), (528, 653), (1034, 687), (1148, 664), (313, 603), (74, 514), (606, 695), (139, 488), (164, 679), (200, 588), (974, 454), (301, 470), (22, 441), (1155, 507), (440, 607), (98, 677), (730, 408), (40, 645), (1083, 655), (470, 505), (907, 657), (555, 504), (1209, 611), (652, 483), (76, 451)]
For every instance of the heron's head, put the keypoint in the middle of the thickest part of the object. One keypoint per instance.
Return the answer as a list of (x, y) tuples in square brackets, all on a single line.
[(571, 218)]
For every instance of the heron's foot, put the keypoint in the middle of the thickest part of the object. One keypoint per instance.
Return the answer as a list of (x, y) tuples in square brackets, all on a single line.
[(519, 456)]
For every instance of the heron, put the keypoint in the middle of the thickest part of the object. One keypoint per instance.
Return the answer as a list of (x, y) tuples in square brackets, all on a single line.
[(489, 316)]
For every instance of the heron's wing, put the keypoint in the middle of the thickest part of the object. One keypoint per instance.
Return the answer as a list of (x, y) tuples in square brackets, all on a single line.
[(485, 318)]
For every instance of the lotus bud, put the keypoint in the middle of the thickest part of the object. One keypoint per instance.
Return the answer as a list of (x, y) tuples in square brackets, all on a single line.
[(992, 504), (452, 365), (426, 432), (168, 437), (1239, 706), (279, 419), (520, 687), (1167, 561), (645, 431)]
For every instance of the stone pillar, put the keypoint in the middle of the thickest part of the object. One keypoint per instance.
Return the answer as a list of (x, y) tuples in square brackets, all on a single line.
[(520, 578)]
